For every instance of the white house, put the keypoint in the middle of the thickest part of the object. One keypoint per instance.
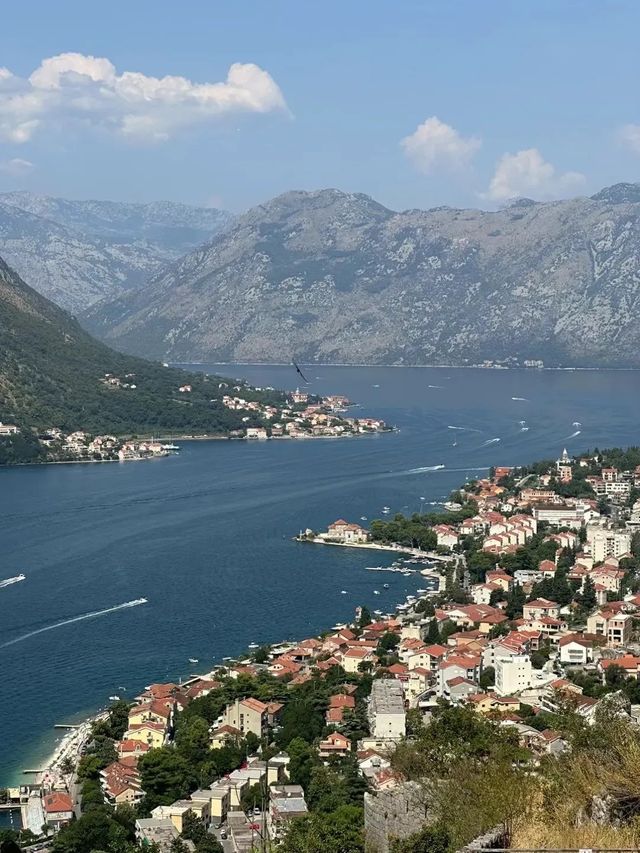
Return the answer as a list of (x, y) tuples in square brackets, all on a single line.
[(513, 673)]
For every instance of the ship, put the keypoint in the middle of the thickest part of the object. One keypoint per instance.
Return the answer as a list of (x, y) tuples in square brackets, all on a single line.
[(9, 581)]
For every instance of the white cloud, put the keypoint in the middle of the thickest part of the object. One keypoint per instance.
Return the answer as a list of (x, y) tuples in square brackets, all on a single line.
[(16, 167), (73, 87), (436, 145), (526, 173), (629, 136)]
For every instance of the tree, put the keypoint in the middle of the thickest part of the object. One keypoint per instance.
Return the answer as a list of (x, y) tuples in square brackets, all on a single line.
[(301, 760), (165, 776), (433, 632), (488, 677), (192, 739), (431, 839), (365, 617), (337, 832), (515, 602), (588, 598), (615, 676), (95, 830)]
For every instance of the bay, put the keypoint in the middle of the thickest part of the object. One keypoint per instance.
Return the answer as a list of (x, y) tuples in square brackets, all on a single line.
[(205, 536)]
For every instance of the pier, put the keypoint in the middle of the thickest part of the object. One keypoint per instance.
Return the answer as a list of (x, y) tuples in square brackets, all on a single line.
[(66, 726)]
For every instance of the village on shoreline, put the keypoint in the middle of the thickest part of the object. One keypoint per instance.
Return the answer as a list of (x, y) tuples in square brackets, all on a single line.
[(530, 606), (300, 416)]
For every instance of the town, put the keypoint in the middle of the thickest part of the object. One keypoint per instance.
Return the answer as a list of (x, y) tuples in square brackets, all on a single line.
[(255, 414), (527, 645)]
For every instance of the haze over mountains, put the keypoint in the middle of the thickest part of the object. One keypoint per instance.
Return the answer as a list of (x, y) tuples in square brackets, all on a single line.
[(330, 276), (78, 252)]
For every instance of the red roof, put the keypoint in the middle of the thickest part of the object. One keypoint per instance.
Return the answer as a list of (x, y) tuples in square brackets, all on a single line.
[(57, 801)]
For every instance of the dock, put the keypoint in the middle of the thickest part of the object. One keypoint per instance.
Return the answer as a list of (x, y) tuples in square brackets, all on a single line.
[(66, 726)]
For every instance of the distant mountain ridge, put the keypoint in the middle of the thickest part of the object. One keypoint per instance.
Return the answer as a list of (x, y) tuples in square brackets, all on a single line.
[(78, 252), (330, 276)]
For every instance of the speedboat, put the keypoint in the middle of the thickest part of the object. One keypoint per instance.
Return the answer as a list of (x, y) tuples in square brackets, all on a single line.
[(376, 592), (343, 592), (363, 518), (193, 660)]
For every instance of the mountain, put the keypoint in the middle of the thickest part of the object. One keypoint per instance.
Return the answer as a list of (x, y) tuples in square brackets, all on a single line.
[(52, 374), (78, 252), (331, 276)]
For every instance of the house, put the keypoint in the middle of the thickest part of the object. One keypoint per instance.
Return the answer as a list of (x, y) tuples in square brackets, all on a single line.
[(334, 744), (120, 782), (456, 690), (577, 648), (386, 710), (286, 802), (463, 666), (224, 735), (628, 663), (159, 832), (58, 809), (257, 432), (500, 578), (355, 657), (247, 715), (446, 536), (481, 592), (343, 531), (614, 626), (175, 812), (8, 429), (533, 610), (513, 674), (151, 733)]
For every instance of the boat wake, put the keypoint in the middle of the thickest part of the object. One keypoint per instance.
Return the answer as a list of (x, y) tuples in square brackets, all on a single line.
[(573, 435), (80, 618), (490, 441), (464, 429), (9, 581), (435, 386), (521, 399), (425, 468)]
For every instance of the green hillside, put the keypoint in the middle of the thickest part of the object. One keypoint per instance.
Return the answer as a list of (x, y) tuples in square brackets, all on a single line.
[(52, 374)]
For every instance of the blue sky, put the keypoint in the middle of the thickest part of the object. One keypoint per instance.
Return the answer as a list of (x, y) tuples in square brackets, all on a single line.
[(416, 103)]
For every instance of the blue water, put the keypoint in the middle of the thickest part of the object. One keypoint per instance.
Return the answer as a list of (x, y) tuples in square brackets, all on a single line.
[(205, 535)]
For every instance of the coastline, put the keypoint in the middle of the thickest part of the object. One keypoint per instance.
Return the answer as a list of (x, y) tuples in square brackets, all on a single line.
[(443, 366), (73, 741)]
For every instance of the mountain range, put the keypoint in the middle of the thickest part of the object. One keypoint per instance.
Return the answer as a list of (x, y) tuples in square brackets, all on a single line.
[(330, 276), (79, 252)]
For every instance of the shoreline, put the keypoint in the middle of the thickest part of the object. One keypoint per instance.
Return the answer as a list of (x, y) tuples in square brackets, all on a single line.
[(443, 366), (75, 739), (204, 437)]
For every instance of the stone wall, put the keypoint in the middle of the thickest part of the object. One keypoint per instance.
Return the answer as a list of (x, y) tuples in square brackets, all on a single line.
[(396, 813)]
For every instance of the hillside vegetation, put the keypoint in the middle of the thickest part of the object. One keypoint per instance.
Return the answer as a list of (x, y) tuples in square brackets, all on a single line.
[(51, 374)]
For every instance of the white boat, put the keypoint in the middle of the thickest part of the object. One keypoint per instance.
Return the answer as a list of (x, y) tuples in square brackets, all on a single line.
[(385, 586), (114, 698), (9, 581), (363, 518), (193, 660), (377, 612), (376, 592), (170, 447), (343, 592), (254, 646), (386, 509)]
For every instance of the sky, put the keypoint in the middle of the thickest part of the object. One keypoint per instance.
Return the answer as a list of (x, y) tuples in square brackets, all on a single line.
[(227, 103)]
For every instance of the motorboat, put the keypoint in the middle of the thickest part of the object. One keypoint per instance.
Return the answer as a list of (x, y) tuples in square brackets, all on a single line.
[(193, 660)]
